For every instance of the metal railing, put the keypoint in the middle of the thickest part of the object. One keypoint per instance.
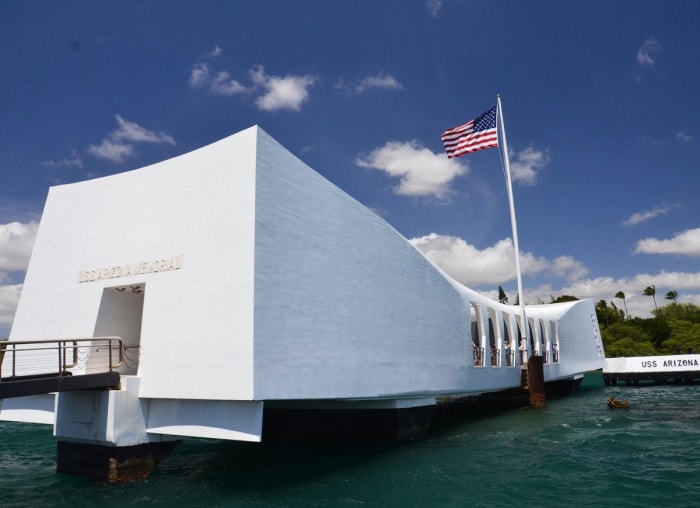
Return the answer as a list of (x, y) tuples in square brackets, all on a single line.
[(495, 357), (478, 356), (57, 356)]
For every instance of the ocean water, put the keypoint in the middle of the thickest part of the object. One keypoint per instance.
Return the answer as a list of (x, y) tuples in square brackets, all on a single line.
[(575, 452)]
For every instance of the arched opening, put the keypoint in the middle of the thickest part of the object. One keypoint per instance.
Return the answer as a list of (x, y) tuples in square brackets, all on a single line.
[(508, 341), (476, 328)]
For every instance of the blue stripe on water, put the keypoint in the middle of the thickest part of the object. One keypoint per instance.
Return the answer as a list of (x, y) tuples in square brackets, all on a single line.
[(575, 452)]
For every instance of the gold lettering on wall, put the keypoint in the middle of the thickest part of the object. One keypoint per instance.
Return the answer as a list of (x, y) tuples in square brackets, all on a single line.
[(127, 270)]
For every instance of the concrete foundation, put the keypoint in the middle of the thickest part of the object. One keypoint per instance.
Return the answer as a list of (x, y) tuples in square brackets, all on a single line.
[(103, 434), (115, 464), (378, 420)]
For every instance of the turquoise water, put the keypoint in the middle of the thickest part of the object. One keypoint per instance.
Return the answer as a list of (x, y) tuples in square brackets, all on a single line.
[(574, 452)]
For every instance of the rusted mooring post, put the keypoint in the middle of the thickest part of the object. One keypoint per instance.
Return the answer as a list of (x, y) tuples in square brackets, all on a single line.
[(535, 381)]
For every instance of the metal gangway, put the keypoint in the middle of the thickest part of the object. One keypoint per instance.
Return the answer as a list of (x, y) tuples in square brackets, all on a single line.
[(36, 367)]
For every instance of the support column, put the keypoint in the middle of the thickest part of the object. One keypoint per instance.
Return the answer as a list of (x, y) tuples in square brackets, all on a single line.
[(102, 434)]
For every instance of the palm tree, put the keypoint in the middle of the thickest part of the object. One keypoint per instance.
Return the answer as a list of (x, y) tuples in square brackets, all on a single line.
[(621, 295), (672, 295), (651, 291)]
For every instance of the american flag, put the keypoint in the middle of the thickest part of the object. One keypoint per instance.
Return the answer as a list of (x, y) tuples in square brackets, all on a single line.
[(472, 136)]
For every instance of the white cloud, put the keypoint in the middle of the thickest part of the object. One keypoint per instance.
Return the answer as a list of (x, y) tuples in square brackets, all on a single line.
[(527, 164), (686, 243), (646, 54), (380, 81), (278, 92), (222, 84), (493, 265), (117, 146), (568, 267), (646, 57), (683, 136), (73, 162), (16, 242), (130, 131), (605, 288), (219, 82), (9, 296), (288, 92), (112, 151), (433, 7), (422, 173), (639, 217), (199, 75)]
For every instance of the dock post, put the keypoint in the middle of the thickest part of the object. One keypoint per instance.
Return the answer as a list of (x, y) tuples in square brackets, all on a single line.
[(535, 375)]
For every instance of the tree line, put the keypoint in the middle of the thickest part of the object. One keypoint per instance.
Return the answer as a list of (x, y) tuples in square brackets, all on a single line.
[(673, 329)]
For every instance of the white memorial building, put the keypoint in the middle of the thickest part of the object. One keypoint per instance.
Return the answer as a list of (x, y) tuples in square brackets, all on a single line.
[(241, 283)]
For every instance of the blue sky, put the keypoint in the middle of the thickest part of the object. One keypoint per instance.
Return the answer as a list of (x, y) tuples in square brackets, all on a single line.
[(600, 103)]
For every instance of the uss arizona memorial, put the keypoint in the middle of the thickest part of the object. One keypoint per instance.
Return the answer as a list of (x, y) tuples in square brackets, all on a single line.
[(243, 284)]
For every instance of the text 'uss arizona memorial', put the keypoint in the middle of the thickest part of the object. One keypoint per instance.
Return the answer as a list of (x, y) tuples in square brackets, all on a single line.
[(127, 270)]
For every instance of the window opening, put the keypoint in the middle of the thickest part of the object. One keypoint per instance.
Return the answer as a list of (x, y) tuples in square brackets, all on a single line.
[(543, 341), (477, 347), (554, 338), (510, 357)]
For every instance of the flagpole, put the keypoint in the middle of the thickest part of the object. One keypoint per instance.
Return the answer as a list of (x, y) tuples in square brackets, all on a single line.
[(521, 300)]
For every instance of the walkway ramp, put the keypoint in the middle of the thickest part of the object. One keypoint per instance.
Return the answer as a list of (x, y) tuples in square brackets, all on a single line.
[(45, 366)]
